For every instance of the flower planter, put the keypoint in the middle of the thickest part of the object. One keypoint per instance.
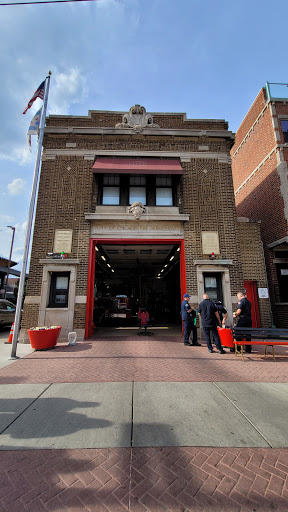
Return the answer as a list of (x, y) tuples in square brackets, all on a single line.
[(42, 339)]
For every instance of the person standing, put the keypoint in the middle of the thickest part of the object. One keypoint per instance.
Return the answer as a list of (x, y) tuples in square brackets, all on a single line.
[(186, 318), (193, 315), (223, 315), (244, 314), (209, 315)]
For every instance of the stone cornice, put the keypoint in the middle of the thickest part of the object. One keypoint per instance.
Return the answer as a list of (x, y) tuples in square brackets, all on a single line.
[(90, 154), (81, 130)]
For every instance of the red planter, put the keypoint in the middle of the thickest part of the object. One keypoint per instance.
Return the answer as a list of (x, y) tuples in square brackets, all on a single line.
[(41, 340), (226, 337)]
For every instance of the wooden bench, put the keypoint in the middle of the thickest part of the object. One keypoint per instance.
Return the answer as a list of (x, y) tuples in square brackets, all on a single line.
[(259, 336)]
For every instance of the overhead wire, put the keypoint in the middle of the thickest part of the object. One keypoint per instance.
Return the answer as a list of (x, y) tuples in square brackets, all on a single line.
[(46, 2)]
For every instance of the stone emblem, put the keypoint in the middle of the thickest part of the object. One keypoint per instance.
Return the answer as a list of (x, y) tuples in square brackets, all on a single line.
[(137, 119), (137, 209)]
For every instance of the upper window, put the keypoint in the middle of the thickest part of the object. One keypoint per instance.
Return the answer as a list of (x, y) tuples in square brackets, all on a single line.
[(111, 189), (125, 189), (137, 189), (164, 196), (284, 124)]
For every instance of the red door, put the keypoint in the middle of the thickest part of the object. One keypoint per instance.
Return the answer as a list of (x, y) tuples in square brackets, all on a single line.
[(251, 292)]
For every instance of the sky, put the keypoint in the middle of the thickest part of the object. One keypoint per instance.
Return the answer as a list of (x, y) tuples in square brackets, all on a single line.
[(207, 59)]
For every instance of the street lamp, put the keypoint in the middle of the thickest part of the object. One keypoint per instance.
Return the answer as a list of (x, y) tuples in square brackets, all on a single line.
[(9, 263)]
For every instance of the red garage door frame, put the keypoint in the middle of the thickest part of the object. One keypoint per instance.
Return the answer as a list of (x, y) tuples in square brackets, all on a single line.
[(91, 269)]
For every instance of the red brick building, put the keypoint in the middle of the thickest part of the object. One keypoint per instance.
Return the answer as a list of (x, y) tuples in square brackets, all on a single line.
[(259, 166), (142, 208)]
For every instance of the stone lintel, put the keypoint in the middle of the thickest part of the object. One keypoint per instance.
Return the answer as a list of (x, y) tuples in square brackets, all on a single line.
[(213, 262), (56, 261), (129, 217)]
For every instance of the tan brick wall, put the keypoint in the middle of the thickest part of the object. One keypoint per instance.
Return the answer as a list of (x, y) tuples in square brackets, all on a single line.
[(207, 192), (30, 316), (253, 264), (65, 193), (79, 316)]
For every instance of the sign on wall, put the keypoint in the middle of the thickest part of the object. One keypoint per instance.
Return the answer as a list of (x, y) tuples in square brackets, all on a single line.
[(63, 240), (263, 293), (210, 242)]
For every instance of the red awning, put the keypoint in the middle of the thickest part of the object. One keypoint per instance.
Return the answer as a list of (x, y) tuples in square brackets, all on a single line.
[(137, 166)]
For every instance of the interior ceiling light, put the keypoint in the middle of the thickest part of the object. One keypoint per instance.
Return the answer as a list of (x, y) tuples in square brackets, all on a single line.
[(96, 248), (108, 265), (165, 266), (112, 270), (178, 249), (103, 258), (172, 258), (162, 270)]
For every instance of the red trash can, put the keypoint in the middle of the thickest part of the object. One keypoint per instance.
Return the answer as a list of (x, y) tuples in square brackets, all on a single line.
[(226, 337)]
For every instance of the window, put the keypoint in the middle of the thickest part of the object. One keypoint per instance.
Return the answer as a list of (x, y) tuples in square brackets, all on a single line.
[(125, 189), (7, 307), (164, 196), (284, 124), (137, 189), (282, 273), (111, 189), (212, 285), (59, 289)]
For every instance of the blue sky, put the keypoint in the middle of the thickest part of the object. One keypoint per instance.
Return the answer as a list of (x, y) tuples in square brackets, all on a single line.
[(208, 59)]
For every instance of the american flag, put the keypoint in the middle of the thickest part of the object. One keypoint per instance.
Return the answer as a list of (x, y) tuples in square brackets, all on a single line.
[(37, 94)]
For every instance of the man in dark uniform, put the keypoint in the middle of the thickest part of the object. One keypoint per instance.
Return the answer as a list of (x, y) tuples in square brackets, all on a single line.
[(223, 315), (186, 318), (210, 317), (245, 320)]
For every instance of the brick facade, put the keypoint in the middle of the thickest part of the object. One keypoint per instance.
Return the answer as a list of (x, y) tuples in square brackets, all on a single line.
[(68, 190), (259, 167), (252, 263)]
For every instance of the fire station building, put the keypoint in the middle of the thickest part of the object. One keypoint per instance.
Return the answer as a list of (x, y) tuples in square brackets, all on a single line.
[(138, 206)]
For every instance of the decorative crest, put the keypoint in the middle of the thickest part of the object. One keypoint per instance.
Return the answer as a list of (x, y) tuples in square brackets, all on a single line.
[(137, 209), (137, 119)]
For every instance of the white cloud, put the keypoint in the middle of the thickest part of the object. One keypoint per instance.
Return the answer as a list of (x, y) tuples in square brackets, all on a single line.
[(5, 220), (17, 187), (68, 88)]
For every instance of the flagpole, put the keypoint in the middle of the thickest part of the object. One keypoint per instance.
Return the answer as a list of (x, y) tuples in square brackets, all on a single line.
[(30, 222)]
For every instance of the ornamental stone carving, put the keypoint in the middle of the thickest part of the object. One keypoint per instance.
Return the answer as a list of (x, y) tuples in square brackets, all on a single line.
[(137, 119), (137, 209)]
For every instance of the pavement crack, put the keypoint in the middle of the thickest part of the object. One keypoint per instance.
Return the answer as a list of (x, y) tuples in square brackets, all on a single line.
[(24, 410), (131, 446), (242, 413)]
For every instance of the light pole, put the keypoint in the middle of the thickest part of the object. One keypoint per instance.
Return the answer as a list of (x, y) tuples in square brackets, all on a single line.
[(9, 263)]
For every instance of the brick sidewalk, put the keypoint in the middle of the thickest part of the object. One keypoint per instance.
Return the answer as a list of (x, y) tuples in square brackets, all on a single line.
[(162, 479), (176, 479), (163, 360)]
